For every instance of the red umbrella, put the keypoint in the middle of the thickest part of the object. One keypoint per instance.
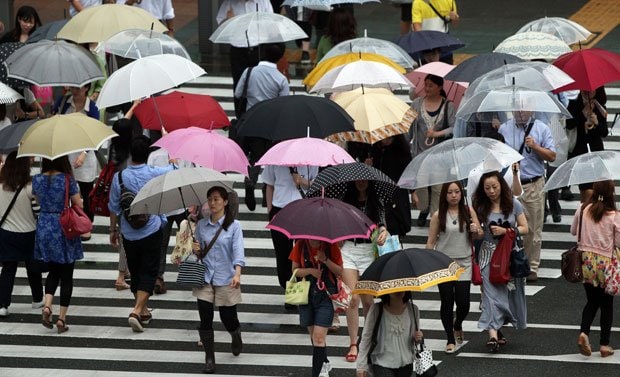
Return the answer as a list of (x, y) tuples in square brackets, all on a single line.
[(591, 68), (181, 110)]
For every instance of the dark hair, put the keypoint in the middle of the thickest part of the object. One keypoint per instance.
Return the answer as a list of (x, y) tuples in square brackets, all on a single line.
[(15, 173), (140, 149), (437, 80), (60, 164), (600, 95), (386, 298), (373, 205), (119, 146), (341, 25), (483, 204), (443, 207), (606, 191), (229, 215), (26, 13), (272, 52), (2, 111)]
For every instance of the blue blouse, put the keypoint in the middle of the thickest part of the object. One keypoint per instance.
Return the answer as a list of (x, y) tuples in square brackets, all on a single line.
[(226, 253)]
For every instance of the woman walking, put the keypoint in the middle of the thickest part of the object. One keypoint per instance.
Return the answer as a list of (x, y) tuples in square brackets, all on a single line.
[(597, 227), (449, 233)]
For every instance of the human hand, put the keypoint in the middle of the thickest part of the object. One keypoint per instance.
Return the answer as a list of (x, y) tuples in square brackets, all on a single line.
[(431, 133), (530, 142), (382, 237), (195, 246), (114, 238), (419, 336), (297, 179), (320, 256), (314, 272), (368, 161), (236, 281), (80, 160), (497, 230), (230, 13), (495, 123), (473, 228), (94, 96)]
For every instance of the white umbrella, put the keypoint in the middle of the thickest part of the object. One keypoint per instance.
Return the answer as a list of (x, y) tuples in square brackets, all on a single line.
[(360, 73), (178, 189), (533, 45), (138, 43), (324, 5), (145, 77), (568, 31), (8, 94), (586, 168), (255, 28)]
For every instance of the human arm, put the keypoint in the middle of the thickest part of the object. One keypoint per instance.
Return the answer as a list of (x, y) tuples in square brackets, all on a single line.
[(269, 197), (546, 154), (433, 231), (334, 262), (575, 225), (416, 15), (362, 366), (295, 257), (77, 5), (238, 253), (129, 113), (474, 226), (114, 239)]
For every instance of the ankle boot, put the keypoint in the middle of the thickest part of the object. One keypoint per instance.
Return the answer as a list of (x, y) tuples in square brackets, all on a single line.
[(206, 336), (237, 343)]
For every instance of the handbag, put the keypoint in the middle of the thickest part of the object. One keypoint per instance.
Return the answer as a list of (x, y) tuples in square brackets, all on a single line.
[(476, 275), (499, 268), (519, 264), (184, 242), (73, 221), (192, 269), (297, 292), (571, 259), (423, 365), (341, 300)]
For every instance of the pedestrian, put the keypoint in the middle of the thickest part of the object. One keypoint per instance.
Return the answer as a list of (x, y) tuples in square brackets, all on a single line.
[(391, 354), (497, 210), (301, 16), (597, 227), (51, 246), (160, 9), (451, 231), (17, 231), (317, 260), (76, 6), (26, 22), (142, 245), (435, 15), (341, 26), (220, 236)]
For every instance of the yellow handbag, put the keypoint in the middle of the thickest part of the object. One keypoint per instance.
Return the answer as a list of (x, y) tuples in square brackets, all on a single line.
[(296, 292)]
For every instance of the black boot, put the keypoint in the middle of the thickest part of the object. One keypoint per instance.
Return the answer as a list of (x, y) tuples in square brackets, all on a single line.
[(237, 343), (206, 337), (250, 199)]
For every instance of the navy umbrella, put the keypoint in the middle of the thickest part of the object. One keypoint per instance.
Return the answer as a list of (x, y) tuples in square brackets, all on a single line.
[(472, 68), (418, 41), (11, 135), (47, 31)]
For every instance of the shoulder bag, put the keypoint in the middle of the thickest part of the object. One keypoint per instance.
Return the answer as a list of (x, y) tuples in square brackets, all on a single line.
[(571, 259), (297, 292), (499, 268), (192, 269), (519, 265), (73, 221), (476, 275)]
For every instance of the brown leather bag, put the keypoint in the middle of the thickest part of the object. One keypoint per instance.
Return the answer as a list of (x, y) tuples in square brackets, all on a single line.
[(571, 259)]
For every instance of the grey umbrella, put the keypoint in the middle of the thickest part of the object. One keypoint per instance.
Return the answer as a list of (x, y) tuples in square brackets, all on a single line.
[(47, 31), (472, 68), (11, 135), (54, 63)]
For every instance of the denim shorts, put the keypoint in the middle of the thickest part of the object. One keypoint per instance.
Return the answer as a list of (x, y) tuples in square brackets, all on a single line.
[(318, 312)]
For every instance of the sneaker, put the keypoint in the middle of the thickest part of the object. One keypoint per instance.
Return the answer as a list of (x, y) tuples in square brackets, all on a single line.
[(37, 305), (4, 312), (305, 57), (327, 367)]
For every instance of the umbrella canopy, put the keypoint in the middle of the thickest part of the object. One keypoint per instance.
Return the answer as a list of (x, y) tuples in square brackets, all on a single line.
[(61, 135), (423, 40), (47, 31), (332, 182), (138, 43), (324, 5), (360, 73), (54, 63), (474, 67), (381, 47), (205, 148), (568, 31), (328, 64), (177, 189), (255, 28), (8, 94), (589, 68), (328, 220), (407, 270), (586, 168), (176, 110), (6, 49), (11, 135), (454, 89), (145, 77), (305, 151), (533, 45), (97, 24), (291, 117), (453, 159)]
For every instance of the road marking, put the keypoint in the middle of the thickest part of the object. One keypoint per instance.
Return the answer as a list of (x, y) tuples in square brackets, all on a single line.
[(598, 16)]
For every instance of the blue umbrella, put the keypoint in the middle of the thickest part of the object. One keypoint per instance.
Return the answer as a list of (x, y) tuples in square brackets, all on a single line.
[(47, 31), (11, 135), (418, 41), (472, 68)]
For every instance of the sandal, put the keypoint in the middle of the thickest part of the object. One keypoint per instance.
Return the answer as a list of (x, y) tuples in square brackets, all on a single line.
[(134, 322), (47, 317), (459, 336), (352, 357), (606, 351), (584, 345), (501, 339), (492, 345), (61, 326), (450, 349), (145, 319), (121, 286)]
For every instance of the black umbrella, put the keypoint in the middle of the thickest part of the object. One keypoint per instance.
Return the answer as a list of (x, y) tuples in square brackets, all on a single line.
[(472, 68), (6, 49), (407, 270), (47, 31), (423, 40), (11, 135), (333, 181), (291, 117)]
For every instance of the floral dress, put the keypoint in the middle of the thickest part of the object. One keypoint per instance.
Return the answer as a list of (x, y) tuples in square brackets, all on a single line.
[(50, 242)]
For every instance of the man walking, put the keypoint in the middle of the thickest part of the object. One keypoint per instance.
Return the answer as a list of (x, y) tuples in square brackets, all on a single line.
[(435, 15)]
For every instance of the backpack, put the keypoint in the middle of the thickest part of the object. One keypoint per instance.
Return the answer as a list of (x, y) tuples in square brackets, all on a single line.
[(99, 196), (127, 197)]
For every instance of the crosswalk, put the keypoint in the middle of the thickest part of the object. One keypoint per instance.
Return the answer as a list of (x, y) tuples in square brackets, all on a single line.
[(100, 343)]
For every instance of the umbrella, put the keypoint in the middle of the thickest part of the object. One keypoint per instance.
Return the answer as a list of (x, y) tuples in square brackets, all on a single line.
[(324, 5), (453, 159), (11, 135), (381, 47), (328, 220), (48, 31), (205, 148), (177, 189), (332, 181), (568, 31), (97, 24), (256, 28), (6, 49), (423, 40), (454, 89), (305, 151), (327, 65), (54, 63), (8, 95), (145, 77), (360, 73), (474, 67), (138, 43), (586, 168), (181, 110), (290, 117), (533, 45), (61, 135), (407, 270), (377, 112), (591, 68)]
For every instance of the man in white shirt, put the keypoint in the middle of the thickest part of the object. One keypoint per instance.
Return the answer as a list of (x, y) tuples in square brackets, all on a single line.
[(160, 9), (76, 6)]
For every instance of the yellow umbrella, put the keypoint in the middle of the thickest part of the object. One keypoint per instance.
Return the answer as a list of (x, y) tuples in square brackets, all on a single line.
[(328, 64), (377, 114), (97, 24), (61, 135)]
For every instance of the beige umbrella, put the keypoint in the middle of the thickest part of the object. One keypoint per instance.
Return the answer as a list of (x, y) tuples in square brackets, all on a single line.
[(61, 135), (97, 24), (377, 112)]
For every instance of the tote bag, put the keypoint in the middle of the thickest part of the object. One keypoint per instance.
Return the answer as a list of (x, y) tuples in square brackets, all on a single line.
[(191, 272), (499, 268), (297, 292)]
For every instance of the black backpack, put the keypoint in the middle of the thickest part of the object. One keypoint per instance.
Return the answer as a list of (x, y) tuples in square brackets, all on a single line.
[(127, 197)]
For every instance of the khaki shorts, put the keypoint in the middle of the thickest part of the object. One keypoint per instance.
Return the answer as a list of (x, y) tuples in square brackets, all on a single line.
[(218, 295)]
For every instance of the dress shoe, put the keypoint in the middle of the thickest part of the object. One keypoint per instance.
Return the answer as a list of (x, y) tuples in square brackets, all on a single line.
[(532, 277)]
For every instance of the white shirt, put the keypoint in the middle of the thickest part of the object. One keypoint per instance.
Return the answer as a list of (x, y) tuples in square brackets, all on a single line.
[(284, 188), (85, 4), (160, 9), (88, 171), (21, 218), (240, 7)]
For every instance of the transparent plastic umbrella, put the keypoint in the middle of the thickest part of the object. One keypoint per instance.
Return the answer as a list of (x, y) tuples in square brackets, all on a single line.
[(533, 45), (138, 43), (586, 168), (568, 31), (361, 73), (324, 5)]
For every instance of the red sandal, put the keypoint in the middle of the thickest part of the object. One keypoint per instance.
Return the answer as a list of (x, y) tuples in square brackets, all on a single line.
[(351, 357)]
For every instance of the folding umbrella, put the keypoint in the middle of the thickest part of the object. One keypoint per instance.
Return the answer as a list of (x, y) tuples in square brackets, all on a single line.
[(533, 45), (474, 67), (138, 43), (418, 41), (11, 135), (454, 89), (567, 30), (589, 68), (586, 168), (305, 151), (47, 31)]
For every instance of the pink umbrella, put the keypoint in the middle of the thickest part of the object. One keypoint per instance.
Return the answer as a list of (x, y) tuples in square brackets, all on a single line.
[(305, 151), (454, 89), (205, 148)]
